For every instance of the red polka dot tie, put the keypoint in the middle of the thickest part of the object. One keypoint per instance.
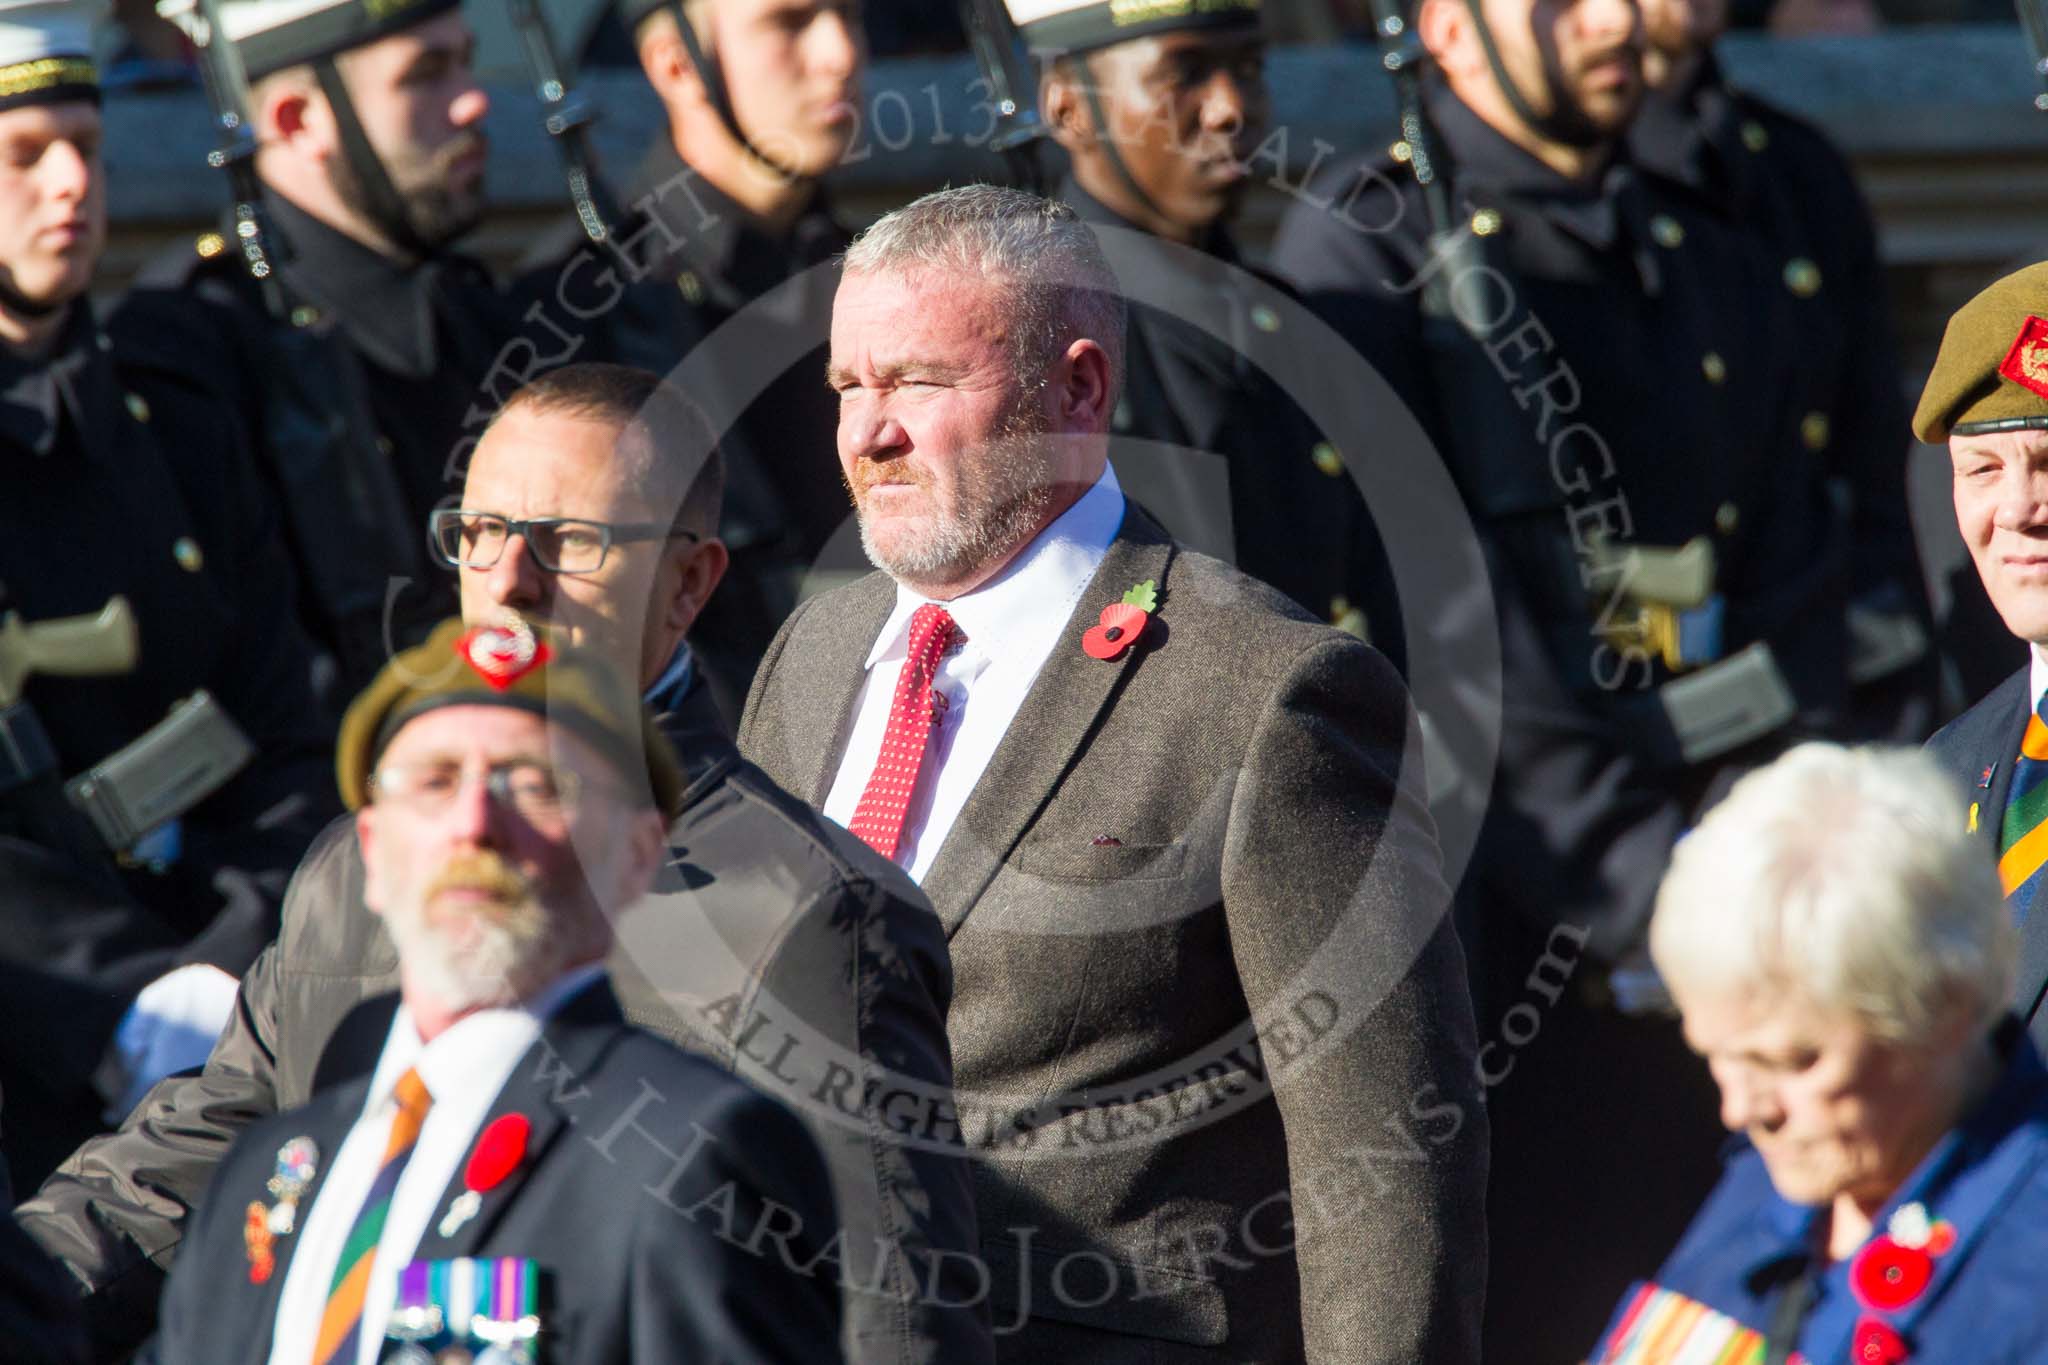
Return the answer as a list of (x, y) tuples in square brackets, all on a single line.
[(913, 715)]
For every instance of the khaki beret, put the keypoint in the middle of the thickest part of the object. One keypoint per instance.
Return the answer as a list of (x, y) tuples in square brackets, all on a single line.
[(507, 665), (1992, 372)]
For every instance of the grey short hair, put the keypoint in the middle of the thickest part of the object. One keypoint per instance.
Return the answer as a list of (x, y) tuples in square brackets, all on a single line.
[(1849, 877), (1058, 285)]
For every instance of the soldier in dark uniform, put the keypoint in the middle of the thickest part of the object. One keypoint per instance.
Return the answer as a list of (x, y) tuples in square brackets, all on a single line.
[(370, 388), (1785, 187), (762, 99), (1159, 120), (163, 871), (1609, 375)]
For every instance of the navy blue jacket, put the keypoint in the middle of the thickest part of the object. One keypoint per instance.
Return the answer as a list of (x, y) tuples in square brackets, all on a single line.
[(1980, 747), (1988, 1177)]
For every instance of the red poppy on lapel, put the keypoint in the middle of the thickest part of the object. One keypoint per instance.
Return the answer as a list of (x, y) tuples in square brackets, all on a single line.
[(1877, 1344), (1121, 623), (499, 1150), (1887, 1276)]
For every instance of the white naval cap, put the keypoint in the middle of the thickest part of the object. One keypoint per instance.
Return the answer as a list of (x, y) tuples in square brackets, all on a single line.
[(1055, 26), (275, 34), (46, 51)]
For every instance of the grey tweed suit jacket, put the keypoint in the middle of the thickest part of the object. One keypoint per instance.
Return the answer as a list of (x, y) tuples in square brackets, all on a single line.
[(1211, 1034)]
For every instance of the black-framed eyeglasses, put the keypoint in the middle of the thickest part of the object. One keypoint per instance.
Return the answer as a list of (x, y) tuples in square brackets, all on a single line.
[(476, 540)]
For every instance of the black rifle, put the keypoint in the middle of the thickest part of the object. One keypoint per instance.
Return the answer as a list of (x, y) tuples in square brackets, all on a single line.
[(567, 119), (345, 511), (227, 89), (1012, 87)]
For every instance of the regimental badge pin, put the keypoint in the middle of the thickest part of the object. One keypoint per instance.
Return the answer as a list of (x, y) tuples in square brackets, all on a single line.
[(297, 1161), (1984, 778), (504, 653), (461, 1209)]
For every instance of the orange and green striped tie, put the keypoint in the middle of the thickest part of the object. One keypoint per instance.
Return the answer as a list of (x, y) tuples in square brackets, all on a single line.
[(342, 1321), (2023, 835)]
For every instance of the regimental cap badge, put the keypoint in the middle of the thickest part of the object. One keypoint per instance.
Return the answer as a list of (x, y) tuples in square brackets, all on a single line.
[(2026, 363), (503, 652)]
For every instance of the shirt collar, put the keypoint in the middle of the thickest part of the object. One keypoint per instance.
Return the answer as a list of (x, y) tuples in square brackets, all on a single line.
[(386, 306), (2037, 674), (36, 394), (1216, 242), (471, 1052), (1009, 617), (708, 233), (675, 681)]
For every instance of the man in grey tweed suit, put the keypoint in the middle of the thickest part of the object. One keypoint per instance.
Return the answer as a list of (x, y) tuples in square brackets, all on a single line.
[(1211, 1036)]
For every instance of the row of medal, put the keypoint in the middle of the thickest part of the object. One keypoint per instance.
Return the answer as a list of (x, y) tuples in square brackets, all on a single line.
[(466, 1311)]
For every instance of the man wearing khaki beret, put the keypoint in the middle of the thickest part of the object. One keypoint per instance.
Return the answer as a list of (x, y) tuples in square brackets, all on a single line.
[(1988, 399), (512, 795)]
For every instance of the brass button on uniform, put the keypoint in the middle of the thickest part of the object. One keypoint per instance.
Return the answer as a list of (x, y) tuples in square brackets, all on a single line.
[(1813, 430), (1401, 151), (384, 446), (1264, 318), (210, 245), (1486, 222), (1726, 518), (186, 551), (1714, 368), (305, 315), (138, 407), (692, 287), (1666, 232), (1754, 137), (1802, 277), (1326, 458)]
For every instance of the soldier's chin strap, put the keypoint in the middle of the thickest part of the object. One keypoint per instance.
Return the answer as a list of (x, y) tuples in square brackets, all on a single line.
[(14, 301), (712, 75), (1565, 123), (1099, 117), (384, 206)]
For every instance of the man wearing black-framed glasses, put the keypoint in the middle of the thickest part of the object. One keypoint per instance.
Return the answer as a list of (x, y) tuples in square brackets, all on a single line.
[(771, 922)]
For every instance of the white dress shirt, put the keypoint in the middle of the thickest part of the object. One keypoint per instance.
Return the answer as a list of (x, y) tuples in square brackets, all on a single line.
[(1012, 624), (464, 1069), (2037, 675)]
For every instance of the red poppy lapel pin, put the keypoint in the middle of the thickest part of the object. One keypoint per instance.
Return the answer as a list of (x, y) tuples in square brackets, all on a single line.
[(1122, 622), (1890, 1271), (499, 1150)]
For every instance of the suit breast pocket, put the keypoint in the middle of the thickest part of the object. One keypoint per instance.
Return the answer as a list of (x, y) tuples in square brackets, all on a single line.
[(1092, 862)]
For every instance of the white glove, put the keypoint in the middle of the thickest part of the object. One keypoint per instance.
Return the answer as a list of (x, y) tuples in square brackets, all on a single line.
[(171, 1026)]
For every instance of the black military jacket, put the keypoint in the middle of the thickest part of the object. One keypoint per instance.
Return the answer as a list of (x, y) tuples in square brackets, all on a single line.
[(1780, 183), (1278, 500), (125, 476), (689, 261), (1628, 368), (367, 400)]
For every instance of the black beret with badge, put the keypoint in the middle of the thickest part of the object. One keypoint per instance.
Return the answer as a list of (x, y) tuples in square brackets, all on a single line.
[(1992, 371), (46, 52), (1052, 27)]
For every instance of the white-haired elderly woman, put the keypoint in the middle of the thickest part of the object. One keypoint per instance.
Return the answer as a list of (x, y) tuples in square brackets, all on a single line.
[(1836, 942)]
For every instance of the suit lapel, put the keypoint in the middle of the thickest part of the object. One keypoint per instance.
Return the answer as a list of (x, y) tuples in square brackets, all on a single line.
[(326, 1120), (1058, 715), (1997, 748), (550, 1074), (816, 716)]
